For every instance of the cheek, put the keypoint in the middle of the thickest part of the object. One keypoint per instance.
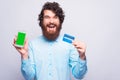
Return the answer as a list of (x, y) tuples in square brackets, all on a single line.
[(45, 22), (57, 22)]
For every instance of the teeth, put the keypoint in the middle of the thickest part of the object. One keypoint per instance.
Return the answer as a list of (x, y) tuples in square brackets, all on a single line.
[(51, 26)]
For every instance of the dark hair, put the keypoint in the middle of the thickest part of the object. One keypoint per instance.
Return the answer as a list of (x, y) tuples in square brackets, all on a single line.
[(53, 6)]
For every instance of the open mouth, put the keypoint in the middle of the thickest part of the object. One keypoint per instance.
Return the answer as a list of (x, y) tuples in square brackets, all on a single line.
[(51, 27)]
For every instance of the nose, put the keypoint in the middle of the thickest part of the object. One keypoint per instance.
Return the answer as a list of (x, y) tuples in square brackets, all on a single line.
[(51, 20)]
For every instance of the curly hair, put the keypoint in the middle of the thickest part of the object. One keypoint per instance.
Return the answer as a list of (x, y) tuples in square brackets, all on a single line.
[(53, 6)]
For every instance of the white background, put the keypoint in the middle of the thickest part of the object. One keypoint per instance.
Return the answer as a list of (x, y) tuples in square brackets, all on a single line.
[(96, 22)]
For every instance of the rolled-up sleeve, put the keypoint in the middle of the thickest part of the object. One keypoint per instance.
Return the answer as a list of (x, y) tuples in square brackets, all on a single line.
[(28, 66), (78, 66)]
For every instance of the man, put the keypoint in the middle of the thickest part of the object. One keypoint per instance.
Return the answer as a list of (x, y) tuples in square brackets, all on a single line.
[(48, 57)]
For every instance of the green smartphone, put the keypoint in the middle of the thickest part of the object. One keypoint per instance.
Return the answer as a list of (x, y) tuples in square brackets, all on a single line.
[(20, 39)]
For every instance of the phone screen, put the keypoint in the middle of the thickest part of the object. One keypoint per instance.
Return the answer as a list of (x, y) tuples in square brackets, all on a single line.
[(20, 39)]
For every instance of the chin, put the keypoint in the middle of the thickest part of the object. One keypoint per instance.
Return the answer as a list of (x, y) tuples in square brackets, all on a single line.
[(51, 35)]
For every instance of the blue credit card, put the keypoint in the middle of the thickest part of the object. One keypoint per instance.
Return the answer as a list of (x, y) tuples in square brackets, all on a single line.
[(68, 38)]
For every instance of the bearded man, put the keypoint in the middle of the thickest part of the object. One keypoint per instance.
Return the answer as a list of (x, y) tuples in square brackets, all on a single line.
[(48, 57)]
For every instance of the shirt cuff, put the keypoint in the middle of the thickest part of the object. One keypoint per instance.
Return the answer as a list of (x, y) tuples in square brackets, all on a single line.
[(82, 61), (24, 62)]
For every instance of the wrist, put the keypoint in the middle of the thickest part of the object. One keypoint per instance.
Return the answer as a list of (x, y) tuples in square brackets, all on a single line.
[(82, 57), (24, 56)]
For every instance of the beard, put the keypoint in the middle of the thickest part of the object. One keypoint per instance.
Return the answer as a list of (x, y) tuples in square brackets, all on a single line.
[(51, 31)]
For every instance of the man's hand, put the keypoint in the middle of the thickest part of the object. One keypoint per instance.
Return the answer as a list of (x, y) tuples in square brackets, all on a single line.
[(81, 47), (22, 50)]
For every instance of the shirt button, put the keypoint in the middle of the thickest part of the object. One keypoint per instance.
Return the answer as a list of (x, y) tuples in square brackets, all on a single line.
[(49, 53), (50, 74)]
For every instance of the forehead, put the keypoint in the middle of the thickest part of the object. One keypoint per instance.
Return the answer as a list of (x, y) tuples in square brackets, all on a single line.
[(49, 13)]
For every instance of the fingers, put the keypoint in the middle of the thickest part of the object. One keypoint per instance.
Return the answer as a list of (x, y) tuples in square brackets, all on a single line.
[(22, 50), (18, 48), (14, 41), (81, 47), (79, 44), (81, 50)]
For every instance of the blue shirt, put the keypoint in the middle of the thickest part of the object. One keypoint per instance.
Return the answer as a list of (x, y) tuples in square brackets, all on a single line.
[(52, 60)]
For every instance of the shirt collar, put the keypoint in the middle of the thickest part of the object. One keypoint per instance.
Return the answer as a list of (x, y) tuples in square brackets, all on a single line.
[(57, 40)]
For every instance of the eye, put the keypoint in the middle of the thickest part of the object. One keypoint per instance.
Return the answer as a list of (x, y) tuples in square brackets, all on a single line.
[(55, 17), (46, 17)]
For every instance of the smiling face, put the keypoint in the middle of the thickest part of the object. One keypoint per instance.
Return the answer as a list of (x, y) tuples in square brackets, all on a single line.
[(51, 25)]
